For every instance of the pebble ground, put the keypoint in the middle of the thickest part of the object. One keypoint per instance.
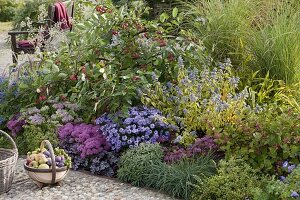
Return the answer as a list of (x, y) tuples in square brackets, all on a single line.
[(77, 185)]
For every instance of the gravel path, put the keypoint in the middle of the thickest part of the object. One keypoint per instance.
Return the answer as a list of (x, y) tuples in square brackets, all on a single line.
[(5, 53), (79, 186)]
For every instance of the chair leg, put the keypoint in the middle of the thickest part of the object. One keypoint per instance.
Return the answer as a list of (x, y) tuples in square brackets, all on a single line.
[(14, 57)]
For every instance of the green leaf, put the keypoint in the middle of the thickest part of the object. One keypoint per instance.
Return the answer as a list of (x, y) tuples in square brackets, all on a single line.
[(175, 12), (80, 26), (163, 17), (55, 68), (62, 75)]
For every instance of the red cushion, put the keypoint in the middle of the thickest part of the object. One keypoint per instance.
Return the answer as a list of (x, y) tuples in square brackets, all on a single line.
[(25, 44)]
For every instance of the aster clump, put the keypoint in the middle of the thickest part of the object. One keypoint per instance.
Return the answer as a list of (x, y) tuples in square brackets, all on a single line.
[(202, 147), (142, 125), (88, 147)]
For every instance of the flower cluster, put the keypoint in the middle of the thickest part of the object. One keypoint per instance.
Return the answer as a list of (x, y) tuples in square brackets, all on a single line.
[(89, 139), (291, 177), (205, 100), (143, 125), (55, 113), (202, 146), (15, 125), (88, 148)]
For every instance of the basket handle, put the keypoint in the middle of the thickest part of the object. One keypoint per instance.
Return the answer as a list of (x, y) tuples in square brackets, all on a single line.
[(52, 158), (10, 139)]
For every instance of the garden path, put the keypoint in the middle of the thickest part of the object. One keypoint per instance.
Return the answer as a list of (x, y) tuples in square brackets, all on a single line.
[(5, 53)]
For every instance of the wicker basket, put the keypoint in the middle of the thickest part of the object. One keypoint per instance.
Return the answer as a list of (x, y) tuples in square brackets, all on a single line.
[(47, 176), (8, 161)]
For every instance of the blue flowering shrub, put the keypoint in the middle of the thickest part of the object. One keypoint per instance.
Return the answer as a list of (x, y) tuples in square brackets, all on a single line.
[(209, 102), (142, 125), (88, 148), (202, 101)]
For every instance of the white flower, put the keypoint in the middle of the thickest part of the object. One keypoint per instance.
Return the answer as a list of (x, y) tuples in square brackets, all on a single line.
[(83, 77), (38, 90)]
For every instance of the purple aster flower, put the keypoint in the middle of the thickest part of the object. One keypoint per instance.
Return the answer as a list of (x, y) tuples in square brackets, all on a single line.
[(294, 194), (58, 106), (36, 119)]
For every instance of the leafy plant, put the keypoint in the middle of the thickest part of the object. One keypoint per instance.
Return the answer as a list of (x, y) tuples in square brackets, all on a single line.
[(33, 125), (285, 188), (264, 138), (30, 11), (33, 135), (234, 180), (126, 55)]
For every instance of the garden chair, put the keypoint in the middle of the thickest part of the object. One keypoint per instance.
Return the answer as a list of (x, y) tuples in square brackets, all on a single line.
[(55, 14)]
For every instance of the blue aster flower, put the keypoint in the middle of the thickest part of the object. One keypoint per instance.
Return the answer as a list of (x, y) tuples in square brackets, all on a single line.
[(282, 178), (152, 126), (291, 168), (285, 164)]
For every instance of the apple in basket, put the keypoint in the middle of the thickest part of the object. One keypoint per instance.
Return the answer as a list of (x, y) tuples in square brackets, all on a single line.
[(41, 159)]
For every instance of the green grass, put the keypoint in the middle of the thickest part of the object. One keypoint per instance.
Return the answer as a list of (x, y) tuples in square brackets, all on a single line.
[(276, 45), (226, 26), (254, 34), (5, 26)]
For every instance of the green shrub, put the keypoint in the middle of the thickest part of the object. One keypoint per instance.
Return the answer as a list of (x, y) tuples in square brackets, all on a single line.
[(264, 138), (235, 180), (123, 53), (286, 188), (135, 164), (33, 135), (7, 10)]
